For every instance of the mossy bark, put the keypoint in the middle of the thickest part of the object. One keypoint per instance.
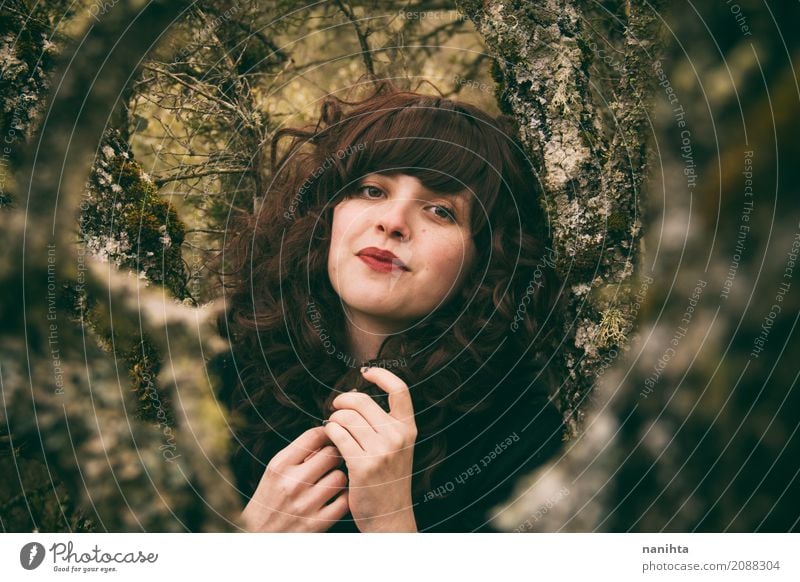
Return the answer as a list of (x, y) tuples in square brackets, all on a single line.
[(108, 469), (575, 75)]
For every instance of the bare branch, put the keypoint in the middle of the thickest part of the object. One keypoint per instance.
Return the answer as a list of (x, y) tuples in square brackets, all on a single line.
[(215, 172), (362, 38)]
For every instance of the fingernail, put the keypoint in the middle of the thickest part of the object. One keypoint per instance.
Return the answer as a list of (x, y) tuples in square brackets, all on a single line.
[(363, 369), (324, 422)]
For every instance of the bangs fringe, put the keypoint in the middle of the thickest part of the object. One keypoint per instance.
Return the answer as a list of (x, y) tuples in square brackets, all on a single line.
[(448, 149)]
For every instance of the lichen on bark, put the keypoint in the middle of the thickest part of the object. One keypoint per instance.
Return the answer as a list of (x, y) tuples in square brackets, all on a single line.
[(109, 469), (582, 117)]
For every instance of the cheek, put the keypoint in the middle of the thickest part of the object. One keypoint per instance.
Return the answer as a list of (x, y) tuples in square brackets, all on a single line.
[(335, 243), (343, 233), (344, 222), (338, 229), (453, 258)]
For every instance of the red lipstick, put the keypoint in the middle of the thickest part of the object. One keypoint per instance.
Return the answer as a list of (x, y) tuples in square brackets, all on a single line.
[(381, 260)]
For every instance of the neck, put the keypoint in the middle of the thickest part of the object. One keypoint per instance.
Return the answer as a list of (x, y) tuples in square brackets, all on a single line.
[(365, 335)]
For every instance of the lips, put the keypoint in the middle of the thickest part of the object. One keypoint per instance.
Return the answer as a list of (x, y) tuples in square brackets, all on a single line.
[(381, 259)]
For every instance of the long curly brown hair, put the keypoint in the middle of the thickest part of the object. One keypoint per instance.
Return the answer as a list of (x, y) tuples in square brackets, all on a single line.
[(282, 314)]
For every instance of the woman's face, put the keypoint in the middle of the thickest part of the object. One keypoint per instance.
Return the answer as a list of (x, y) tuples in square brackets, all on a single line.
[(428, 233)]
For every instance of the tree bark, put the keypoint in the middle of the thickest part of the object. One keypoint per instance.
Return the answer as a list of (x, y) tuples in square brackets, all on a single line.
[(575, 76), (62, 394)]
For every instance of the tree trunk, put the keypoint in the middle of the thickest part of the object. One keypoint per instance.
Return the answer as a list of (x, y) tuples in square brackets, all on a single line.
[(576, 77), (694, 427), (64, 401)]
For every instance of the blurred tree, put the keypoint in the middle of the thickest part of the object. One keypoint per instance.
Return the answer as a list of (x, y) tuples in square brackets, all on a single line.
[(29, 38), (710, 440), (695, 424), (66, 421)]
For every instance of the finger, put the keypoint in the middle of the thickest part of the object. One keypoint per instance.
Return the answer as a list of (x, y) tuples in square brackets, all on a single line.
[(336, 509), (296, 452), (326, 488), (400, 405), (311, 455), (366, 407), (356, 425), (325, 460), (348, 446)]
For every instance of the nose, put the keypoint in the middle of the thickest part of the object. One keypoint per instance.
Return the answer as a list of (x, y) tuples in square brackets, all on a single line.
[(393, 219)]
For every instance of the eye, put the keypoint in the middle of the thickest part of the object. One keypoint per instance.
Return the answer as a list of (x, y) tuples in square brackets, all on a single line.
[(365, 191), (447, 213), (369, 192)]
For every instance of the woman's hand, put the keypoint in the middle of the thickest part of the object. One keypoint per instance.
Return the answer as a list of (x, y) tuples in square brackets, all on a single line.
[(292, 493), (378, 449)]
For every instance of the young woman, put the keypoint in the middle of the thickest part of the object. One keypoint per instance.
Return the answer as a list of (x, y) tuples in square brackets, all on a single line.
[(403, 233)]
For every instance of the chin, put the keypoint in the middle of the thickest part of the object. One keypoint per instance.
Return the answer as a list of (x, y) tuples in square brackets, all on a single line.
[(393, 312), (372, 308)]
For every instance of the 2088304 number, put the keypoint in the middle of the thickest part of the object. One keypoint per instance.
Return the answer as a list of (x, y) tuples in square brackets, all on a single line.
[(755, 565)]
